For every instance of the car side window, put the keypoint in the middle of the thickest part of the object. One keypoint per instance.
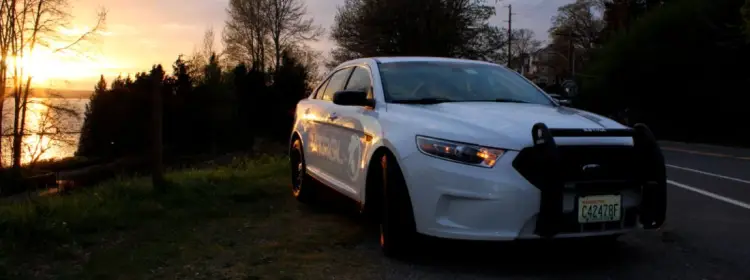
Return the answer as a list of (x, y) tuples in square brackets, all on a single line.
[(336, 83), (319, 93), (360, 80)]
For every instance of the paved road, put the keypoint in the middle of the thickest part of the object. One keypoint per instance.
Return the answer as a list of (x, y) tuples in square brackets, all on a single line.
[(706, 236)]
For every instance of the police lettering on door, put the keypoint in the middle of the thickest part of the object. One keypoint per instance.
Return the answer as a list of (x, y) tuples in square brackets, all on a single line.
[(328, 148)]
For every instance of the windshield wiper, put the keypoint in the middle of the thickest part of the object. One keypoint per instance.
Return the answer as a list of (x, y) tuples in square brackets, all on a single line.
[(437, 100), (509, 100), (425, 101)]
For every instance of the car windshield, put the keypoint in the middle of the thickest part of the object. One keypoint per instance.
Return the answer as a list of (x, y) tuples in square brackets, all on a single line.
[(447, 81)]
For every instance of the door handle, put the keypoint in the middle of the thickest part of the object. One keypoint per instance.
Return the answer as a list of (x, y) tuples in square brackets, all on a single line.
[(333, 116)]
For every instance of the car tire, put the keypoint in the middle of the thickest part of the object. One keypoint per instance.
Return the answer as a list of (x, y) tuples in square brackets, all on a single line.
[(303, 186), (398, 235)]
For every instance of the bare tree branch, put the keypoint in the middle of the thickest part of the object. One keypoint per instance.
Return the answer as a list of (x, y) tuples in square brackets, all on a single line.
[(25, 25), (102, 18), (254, 25)]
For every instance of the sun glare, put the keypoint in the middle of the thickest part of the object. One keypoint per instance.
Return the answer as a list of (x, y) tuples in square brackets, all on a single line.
[(44, 67), (36, 144)]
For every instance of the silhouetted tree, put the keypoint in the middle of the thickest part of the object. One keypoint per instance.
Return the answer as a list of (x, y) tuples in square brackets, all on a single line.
[(157, 118), (25, 27), (245, 107), (619, 15), (178, 96), (452, 28), (650, 71), (746, 18), (575, 35), (94, 121), (289, 87), (289, 26), (524, 42), (220, 111), (259, 31)]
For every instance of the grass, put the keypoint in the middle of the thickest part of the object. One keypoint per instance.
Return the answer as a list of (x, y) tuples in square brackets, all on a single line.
[(222, 222)]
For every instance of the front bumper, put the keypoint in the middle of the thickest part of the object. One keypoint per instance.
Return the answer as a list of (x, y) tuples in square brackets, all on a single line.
[(456, 201)]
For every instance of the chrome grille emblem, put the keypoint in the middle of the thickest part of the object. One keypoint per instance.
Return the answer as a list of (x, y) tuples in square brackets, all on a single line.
[(589, 167)]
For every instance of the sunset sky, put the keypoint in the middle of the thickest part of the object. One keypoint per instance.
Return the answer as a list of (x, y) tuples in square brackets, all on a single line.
[(140, 33)]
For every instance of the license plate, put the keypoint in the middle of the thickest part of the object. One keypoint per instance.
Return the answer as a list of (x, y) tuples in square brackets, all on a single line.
[(599, 208)]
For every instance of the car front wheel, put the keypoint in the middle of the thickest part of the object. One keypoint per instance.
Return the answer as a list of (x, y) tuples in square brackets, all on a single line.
[(398, 235), (303, 188)]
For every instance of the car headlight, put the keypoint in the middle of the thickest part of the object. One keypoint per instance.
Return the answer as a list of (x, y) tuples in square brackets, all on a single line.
[(460, 152)]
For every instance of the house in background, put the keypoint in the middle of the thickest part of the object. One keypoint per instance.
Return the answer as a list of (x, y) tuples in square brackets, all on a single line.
[(522, 64), (539, 66)]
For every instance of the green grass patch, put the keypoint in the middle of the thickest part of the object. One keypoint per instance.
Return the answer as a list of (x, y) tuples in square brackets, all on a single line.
[(223, 222)]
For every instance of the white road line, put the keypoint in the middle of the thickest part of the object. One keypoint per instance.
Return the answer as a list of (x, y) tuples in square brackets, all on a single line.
[(709, 174), (711, 195)]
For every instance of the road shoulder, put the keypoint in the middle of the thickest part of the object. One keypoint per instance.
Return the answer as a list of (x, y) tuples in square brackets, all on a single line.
[(707, 150)]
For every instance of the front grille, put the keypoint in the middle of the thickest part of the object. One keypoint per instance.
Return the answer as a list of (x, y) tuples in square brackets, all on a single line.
[(583, 163), (611, 170), (557, 170)]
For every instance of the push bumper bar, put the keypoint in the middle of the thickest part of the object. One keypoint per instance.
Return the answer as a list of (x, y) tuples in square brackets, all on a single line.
[(649, 173)]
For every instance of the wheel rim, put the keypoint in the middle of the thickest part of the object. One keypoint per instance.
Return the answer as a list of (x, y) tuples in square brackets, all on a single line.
[(298, 172), (384, 206)]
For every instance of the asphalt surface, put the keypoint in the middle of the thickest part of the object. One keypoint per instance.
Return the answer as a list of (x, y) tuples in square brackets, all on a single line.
[(706, 235)]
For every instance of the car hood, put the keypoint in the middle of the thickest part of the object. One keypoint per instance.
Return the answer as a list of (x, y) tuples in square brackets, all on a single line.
[(490, 122)]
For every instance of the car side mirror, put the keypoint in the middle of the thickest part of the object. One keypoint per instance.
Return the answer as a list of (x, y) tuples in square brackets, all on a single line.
[(352, 98)]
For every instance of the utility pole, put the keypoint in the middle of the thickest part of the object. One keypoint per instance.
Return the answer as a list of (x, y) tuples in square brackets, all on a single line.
[(510, 34), (571, 56)]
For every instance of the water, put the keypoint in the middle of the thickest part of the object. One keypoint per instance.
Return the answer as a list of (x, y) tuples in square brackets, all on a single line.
[(52, 127)]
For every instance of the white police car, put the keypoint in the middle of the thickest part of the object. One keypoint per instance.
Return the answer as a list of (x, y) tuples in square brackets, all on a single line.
[(465, 149)]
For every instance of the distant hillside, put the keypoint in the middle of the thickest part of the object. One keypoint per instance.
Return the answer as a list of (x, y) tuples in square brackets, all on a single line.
[(60, 93)]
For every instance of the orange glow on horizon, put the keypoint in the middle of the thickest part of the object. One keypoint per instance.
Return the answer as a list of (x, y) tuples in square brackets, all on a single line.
[(44, 66)]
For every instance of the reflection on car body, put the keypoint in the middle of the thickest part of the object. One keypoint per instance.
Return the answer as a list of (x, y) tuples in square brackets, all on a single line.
[(471, 150)]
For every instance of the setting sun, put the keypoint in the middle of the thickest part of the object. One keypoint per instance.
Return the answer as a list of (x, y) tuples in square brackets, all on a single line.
[(45, 66)]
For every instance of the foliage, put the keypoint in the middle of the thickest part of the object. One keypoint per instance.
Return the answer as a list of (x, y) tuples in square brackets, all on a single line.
[(25, 27), (682, 58), (258, 32), (449, 28), (217, 112), (290, 85), (619, 15), (575, 34), (524, 41)]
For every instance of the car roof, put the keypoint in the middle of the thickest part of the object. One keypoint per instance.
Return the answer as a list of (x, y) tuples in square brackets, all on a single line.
[(392, 59)]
